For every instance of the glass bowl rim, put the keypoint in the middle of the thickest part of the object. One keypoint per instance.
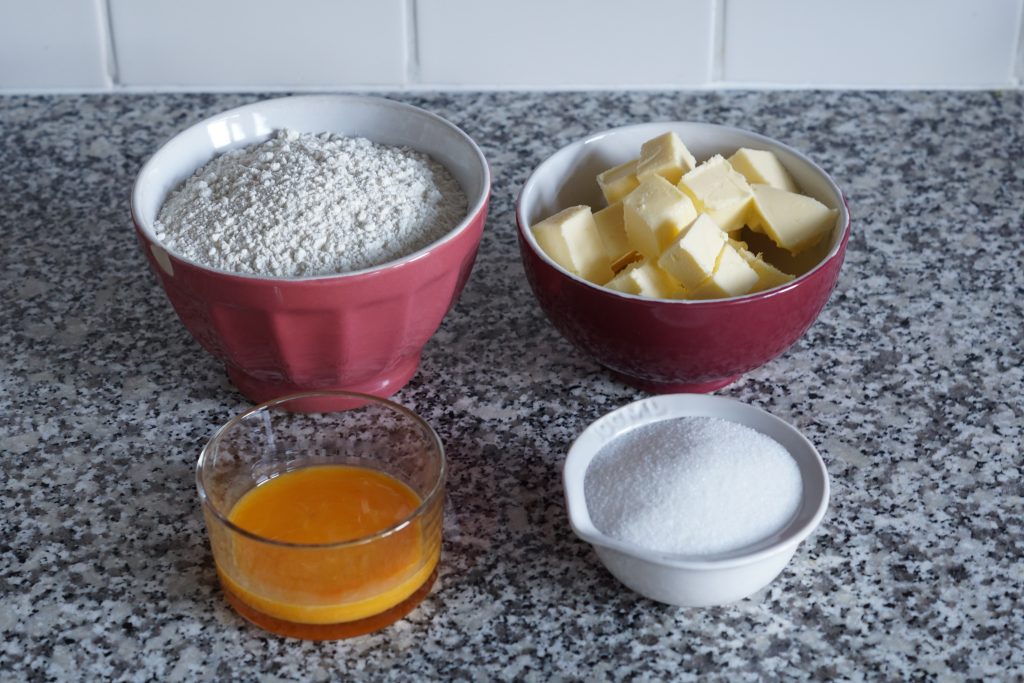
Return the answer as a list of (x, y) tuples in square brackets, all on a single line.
[(425, 502)]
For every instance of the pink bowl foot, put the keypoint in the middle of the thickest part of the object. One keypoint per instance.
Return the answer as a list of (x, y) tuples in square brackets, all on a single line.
[(674, 387), (383, 385)]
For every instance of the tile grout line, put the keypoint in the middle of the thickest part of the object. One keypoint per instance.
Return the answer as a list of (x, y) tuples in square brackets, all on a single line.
[(751, 86), (1017, 70), (717, 41), (106, 28), (412, 44)]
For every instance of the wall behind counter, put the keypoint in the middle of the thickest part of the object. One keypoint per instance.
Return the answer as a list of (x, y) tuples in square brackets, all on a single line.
[(105, 45)]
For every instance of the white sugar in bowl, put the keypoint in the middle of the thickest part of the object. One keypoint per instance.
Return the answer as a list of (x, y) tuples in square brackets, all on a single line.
[(696, 579)]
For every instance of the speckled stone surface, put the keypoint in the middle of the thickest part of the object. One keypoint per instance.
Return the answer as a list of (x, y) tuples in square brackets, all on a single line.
[(910, 384)]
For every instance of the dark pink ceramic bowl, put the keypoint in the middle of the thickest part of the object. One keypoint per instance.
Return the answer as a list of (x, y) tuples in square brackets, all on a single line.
[(361, 331), (660, 345)]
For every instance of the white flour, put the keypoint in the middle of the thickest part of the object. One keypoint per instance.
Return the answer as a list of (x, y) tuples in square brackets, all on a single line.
[(305, 204)]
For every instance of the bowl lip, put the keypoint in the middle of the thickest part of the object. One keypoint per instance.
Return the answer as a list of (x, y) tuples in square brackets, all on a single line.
[(649, 410), (472, 212), (837, 250), (425, 502)]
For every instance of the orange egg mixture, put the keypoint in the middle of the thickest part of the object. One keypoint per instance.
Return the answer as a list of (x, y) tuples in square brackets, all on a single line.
[(314, 583)]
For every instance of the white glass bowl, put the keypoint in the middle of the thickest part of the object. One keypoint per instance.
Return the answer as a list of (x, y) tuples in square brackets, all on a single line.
[(689, 580)]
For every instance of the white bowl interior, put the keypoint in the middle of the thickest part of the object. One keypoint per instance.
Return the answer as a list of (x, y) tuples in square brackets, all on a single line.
[(567, 178), (374, 118), (656, 408)]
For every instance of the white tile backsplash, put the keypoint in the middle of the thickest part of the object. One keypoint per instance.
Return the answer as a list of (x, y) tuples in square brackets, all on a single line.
[(565, 43), (871, 43), (53, 44), (253, 43), (578, 44)]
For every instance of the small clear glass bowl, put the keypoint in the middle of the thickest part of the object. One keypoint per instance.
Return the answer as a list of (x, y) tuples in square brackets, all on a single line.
[(329, 590)]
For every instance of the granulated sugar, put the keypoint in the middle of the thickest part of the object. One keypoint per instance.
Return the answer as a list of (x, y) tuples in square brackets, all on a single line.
[(304, 204), (692, 485)]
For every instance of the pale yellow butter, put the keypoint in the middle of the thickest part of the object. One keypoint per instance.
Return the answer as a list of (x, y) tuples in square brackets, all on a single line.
[(732, 277), (793, 221), (667, 156), (666, 230), (768, 276), (571, 239), (618, 181), (691, 258), (611, 225), (719, 191), (762, 167), (655, 213), (645, 279)]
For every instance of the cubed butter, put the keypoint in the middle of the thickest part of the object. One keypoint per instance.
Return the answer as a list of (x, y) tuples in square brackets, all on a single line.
[(644, 278), (655, 213), (719, 191), (571, 239), (768, 276), (762, 167), (691, 258), (793, 221), (612, 227), (618, 181), (672, 228), (667, 156), (732, 277)]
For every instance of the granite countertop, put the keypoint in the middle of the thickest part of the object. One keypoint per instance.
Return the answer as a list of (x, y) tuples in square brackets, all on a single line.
[(910, 385)]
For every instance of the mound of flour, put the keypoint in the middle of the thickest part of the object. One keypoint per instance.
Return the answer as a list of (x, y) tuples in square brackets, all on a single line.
[(305, 204)]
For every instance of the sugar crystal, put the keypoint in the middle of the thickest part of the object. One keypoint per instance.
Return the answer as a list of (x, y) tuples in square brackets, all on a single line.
[(693, 486)]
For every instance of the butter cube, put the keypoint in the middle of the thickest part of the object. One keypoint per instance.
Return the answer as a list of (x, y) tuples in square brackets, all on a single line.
[(691, 258), (667, 156), (732, 277), (793, 221), (655, 213), (762, 167), (719, 191), (768, 276), (611, 225), (645, 279), (618, 181), (571, 239)]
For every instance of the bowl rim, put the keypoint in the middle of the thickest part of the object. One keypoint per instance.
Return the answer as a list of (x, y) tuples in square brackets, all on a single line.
[(472, 211), (670, 406), (526, 235)]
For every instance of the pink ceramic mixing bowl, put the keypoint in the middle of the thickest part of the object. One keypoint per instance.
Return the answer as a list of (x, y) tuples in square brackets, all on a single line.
[(361, 331), (660, 345)]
